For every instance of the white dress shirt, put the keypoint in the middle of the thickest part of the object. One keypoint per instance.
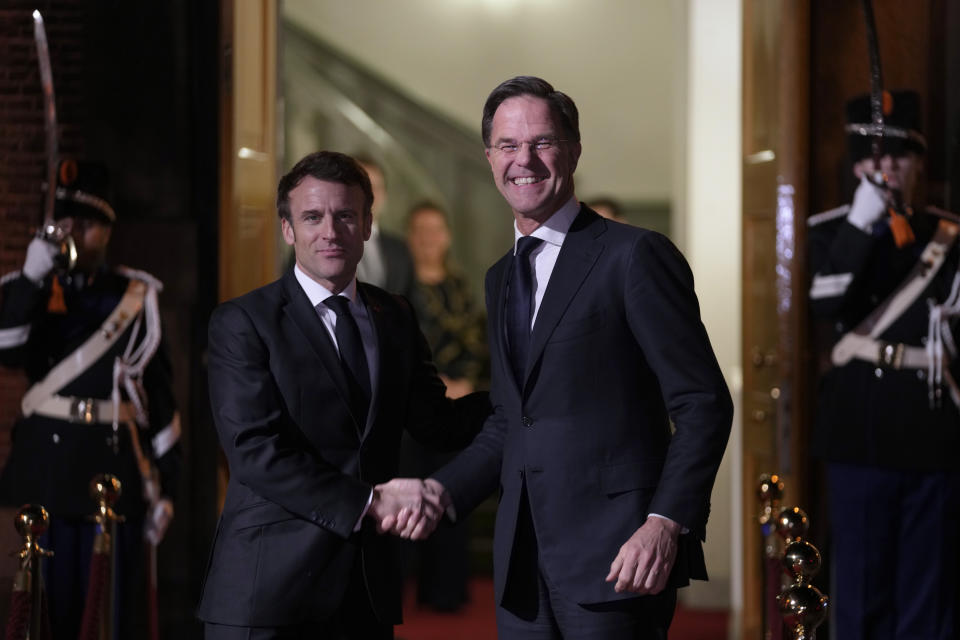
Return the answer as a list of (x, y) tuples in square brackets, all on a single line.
[(317, 293), (543, 258)]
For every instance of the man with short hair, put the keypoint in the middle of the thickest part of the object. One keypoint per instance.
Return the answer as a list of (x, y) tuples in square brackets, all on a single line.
[(312, 379), (596, 345)]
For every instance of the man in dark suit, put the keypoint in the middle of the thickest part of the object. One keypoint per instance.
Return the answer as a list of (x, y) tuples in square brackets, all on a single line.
[(603, 505), (312, 380)]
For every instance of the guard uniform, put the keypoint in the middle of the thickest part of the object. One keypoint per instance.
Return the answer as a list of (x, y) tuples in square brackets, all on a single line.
[(100, 401), (888, 423)]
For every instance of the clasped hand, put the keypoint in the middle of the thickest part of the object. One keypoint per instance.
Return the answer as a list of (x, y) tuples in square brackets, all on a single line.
[(408, 507)]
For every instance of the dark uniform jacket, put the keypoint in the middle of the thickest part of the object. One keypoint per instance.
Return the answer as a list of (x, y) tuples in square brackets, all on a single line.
[(52, 461), (869, 413)]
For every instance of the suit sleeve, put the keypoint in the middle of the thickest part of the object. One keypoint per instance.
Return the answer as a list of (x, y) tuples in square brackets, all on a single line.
[(474, 474), (434, 419), (664, 316), (267, 452)]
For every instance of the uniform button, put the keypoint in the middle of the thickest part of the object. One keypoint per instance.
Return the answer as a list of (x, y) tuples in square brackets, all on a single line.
[(526, 421), (921, 374), (56, 438), (878, 372)]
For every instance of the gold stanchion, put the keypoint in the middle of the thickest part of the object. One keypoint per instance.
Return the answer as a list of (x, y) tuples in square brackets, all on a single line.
[(770, 492), (792, 524), (802, 605), (100, 608), (28, 619)]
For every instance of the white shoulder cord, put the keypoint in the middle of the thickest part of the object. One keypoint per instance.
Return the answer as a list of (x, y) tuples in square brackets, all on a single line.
[(128, 368), (938, 337)]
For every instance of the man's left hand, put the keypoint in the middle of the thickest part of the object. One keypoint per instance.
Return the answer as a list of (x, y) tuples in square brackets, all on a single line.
[(646, 559)]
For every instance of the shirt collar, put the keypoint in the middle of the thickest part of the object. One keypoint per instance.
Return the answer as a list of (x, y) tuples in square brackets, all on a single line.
[(317, 293), (555, 229)]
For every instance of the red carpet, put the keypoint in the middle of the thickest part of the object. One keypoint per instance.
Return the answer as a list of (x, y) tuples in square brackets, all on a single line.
[(476, 620)]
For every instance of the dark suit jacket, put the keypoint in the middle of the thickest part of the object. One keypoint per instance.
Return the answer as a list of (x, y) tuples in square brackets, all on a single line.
[(301, 467), (398, 263), (617, 352)]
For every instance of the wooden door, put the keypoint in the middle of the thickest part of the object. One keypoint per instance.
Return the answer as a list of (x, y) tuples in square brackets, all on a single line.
[(775, 154), (248, 229)]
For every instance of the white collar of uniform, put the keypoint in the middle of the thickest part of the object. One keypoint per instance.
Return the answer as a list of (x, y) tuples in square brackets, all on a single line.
[(374, 230), (318, 293), (555, 229)]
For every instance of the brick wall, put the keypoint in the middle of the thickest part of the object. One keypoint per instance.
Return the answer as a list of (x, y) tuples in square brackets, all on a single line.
[(23, 141)]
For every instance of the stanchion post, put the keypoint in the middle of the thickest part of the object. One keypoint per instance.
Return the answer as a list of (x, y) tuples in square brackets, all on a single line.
[(770, 492)]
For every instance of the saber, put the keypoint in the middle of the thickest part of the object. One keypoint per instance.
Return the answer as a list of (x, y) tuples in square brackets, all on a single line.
[(50, 117), (876, 84), (49, 229), (902, 233)]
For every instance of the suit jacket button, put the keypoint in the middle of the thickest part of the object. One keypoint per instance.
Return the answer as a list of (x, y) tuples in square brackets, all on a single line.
[(526, 421)]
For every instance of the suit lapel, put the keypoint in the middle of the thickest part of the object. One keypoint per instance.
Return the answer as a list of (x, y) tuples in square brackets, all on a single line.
[(383, 349), (499, 296), (577, 256), (304, 316)]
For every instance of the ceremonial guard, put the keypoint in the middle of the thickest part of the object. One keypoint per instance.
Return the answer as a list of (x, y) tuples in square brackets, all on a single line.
[(886, 278), (100, 401)]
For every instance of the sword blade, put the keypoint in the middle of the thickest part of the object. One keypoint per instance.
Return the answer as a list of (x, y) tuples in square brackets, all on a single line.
[(876, 80), (50, 116)]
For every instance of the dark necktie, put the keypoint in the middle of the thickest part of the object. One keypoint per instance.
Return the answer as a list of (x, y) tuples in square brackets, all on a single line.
[(519, 308), (352, 356)]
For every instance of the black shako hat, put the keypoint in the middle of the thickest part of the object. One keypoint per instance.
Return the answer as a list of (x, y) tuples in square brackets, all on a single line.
[(901, 125), (82, 191)]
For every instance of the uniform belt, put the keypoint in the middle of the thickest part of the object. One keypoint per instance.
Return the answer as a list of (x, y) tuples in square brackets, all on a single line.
[(888, 355), (85, 410)]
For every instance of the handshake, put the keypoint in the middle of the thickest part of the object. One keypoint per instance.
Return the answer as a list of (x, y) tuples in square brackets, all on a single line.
[(408, 507)]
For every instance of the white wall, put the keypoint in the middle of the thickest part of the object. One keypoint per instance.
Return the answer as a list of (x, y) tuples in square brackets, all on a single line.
[(614, 57), (707, 216)]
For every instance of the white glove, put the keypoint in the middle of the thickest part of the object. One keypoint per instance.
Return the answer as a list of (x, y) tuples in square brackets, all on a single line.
[(868, 205), (159, 515), (39, 262)]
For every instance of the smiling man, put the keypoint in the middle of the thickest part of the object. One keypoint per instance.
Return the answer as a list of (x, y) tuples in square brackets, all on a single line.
[(312, 379), (596, 345)]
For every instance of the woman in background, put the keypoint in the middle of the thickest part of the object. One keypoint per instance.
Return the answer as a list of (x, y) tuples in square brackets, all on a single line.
[(455, 331)]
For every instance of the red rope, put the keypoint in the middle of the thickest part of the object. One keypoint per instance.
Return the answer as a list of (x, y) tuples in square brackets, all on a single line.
[(19, 621), (96, 596), (774, 585)]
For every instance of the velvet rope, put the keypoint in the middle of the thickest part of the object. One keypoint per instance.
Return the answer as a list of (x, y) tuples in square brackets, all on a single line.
[(774, 584), (96, 596), (18, 623)]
